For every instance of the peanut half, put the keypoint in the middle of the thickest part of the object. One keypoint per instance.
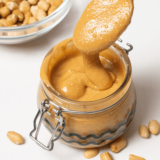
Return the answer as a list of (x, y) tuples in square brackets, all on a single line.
[(90, 153), (118, 145), (106, 156), (133, 157), (153, 127), (15, 137), (144, 131)]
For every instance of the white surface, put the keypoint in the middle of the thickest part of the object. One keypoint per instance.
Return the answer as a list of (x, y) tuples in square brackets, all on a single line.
[(19, 78)]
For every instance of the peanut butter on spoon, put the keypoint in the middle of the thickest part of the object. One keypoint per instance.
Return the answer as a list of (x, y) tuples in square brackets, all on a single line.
[(100, 25), (84, 68)]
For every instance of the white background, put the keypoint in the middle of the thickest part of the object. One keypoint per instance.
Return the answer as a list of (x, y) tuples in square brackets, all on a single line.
[(19, 78)]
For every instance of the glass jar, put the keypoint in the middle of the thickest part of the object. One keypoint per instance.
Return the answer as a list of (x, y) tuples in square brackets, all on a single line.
[(87, 124)]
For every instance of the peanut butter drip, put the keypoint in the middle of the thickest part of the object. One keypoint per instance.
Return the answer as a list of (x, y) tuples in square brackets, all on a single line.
[(100, 25)]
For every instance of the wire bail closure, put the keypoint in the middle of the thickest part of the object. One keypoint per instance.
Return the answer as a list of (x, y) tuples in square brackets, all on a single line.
[(128, 45), (45, 105)]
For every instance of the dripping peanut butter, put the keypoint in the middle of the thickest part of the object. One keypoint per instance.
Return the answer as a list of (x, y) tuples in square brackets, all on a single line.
[(88, 70)]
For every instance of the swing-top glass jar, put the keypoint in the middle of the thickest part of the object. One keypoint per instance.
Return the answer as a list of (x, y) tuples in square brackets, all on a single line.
[(87, 124)]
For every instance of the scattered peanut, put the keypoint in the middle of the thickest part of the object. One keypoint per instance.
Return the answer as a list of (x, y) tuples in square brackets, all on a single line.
[(133, 157), (153, 127), (51, 10), (19, 14), (11, 19), (32, 20), (24, 6), (143, 131), (43, 5), (106, 156), (15, 137), (4, 11), (90, 153), (12, 5), (118, 145)]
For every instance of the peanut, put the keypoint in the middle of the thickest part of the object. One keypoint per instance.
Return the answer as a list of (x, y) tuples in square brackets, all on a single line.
[(40, 14), (15, 137), (24, 7), (16, 12), (19, 14), (133, 157), (4, 11), (43, 5), (57, 3), (118, 145), (15, 34), (32, 20), (106, 156), (17, 1), (153, 127), (33, 10), (4, 1), (27, 17), (11, 19), (1, 4), (3, 22), (143, 131), (51, 10), (19, 24), (33, 2), (50, 1), (90, 153), (32, 30), (12, 5)]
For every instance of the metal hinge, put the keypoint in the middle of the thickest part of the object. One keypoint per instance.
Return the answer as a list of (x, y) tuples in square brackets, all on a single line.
[(128, 45), (45, 105)]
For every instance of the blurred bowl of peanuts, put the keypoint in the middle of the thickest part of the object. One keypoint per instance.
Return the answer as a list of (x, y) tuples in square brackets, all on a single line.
[(22, 21)]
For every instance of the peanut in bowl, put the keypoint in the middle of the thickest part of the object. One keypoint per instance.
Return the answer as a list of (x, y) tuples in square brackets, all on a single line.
[(25, 33)]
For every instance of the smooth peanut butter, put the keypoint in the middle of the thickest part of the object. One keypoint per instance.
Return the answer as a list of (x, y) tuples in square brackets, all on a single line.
[(63, 70), (86, 70)]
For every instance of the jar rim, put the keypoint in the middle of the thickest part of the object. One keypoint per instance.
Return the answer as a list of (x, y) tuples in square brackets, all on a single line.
[(126, 80)]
